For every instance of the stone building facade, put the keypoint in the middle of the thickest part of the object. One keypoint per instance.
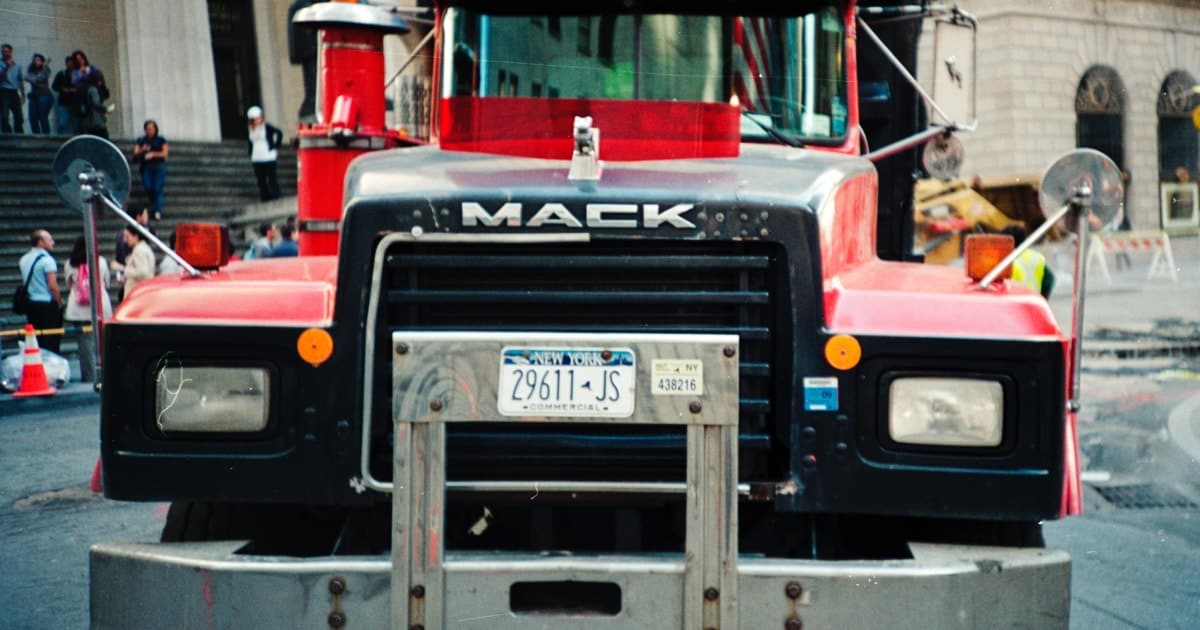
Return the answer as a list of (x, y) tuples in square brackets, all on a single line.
[(195, 66), (1052, 75), (1116, 75)]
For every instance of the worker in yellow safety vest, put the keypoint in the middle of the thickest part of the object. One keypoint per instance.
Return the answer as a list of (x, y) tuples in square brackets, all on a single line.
[(1030, 268)]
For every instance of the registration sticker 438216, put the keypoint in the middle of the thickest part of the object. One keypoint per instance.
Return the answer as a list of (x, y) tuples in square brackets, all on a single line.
[(677, 377)]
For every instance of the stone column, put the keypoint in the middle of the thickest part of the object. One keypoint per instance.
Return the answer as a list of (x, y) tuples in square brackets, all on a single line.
[(164, 50), (281, 83)]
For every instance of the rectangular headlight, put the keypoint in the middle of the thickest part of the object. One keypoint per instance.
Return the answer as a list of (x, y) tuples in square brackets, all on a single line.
[(212, 399), (938, 411)]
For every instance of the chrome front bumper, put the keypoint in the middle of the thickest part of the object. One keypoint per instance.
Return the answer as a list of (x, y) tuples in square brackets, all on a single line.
[(208, 585)]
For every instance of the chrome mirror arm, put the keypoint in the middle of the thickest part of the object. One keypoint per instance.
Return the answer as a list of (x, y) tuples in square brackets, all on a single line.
[(141, 230)]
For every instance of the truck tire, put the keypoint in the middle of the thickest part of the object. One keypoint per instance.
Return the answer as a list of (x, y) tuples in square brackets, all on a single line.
[(201, 521), (271, 529)]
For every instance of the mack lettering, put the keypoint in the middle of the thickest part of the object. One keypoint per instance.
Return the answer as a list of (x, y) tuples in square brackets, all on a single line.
[(626, 216)]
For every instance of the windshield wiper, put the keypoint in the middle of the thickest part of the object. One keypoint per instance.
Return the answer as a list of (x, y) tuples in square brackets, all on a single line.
[(780, 136)]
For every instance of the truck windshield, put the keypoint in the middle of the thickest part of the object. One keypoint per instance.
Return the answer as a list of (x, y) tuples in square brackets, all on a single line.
[(787, 72)]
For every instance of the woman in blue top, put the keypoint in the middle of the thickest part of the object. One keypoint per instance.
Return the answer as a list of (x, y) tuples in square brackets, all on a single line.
[(151, 150)]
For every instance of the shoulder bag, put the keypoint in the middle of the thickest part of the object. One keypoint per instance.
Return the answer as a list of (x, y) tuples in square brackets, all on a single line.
[(20, 299)]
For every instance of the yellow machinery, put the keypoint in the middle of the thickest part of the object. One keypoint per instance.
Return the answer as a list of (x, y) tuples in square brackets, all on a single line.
[(943, 211)]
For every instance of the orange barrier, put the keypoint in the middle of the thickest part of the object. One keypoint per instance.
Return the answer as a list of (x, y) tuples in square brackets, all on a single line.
[(1162, 264), (33, 373)]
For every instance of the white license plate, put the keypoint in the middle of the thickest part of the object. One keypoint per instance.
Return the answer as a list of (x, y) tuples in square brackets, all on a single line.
[(584, 382)]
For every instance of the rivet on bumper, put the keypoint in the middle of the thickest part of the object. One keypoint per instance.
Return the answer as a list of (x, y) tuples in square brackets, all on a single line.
[(337, 586)]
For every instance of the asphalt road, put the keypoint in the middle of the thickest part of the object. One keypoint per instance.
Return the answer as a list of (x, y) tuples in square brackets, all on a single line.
[(1133, 568), (49, 518), (1136, 557)]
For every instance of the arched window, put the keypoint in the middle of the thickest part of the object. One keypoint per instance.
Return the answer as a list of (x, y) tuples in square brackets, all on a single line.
[(1178, 146), (1100, 113)]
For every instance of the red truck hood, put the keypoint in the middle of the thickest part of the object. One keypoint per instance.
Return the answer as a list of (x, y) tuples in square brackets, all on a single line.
[(889, 298), (284, 292)]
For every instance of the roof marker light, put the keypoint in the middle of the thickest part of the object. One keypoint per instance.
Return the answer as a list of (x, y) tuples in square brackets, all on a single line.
[(203, 245), (982, 252)]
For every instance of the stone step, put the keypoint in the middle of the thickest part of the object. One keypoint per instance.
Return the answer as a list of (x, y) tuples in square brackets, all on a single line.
[(206, 182), (40, 170)]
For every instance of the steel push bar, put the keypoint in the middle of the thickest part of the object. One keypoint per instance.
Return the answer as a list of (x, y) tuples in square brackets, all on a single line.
[(446, 377)]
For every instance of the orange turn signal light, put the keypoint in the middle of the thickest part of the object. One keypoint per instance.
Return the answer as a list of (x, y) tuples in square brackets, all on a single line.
[(982, 252), (843, 352), (315, 346), (203, 245)]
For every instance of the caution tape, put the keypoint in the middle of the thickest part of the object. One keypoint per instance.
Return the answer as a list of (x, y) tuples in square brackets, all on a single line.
[(65, 330)]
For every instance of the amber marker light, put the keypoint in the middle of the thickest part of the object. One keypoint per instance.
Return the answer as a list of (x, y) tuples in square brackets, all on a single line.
[(843, 352), (315, 346), (203, 245), (982, 252)]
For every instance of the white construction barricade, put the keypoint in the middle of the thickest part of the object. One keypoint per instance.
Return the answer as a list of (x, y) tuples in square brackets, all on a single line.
[(1104, 243)]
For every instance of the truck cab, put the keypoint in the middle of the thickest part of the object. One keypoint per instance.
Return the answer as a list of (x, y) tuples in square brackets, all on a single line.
[(616, 347)]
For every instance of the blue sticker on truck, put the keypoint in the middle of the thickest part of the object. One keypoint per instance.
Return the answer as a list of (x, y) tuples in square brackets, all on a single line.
[(820, 393)]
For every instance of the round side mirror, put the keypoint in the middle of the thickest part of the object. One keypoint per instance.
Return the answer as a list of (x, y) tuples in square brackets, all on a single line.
[(85, 155), (942, 157), (1075, 171)]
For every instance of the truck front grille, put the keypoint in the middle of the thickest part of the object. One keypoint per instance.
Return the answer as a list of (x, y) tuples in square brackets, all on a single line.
[(611, 286)]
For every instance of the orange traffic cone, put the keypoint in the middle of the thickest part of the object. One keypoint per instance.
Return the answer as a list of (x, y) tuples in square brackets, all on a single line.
[(95, 485), (33, 374)]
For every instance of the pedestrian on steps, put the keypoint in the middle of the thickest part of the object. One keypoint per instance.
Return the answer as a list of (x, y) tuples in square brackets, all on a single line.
[(264, 140), (65, 119), (12, 92), (151, 152), (41, 99), (39, 272), (140, 265)]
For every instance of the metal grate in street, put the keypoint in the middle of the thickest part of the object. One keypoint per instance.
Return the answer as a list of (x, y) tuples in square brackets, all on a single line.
[(1145, 497)]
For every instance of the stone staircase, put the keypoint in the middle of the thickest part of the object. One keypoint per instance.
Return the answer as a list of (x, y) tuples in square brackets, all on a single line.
[(209, 182)]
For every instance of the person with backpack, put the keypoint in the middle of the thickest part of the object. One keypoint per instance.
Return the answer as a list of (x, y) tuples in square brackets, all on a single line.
[(93, 115), (79, 305)]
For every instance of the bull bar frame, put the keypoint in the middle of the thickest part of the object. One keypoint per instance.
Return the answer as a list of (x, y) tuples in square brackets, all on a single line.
[(443, 377)]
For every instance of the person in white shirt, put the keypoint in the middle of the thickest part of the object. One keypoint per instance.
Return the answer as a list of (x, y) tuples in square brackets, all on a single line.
[(263, 140), (167, 265), (139, 265)]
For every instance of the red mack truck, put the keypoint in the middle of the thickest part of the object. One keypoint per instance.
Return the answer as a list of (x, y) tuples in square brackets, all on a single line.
[(632, 341)]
